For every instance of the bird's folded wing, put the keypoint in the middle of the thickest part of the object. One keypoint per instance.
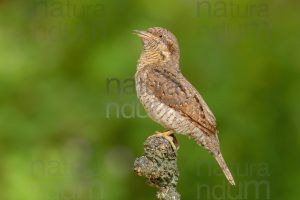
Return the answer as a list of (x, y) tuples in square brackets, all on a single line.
[(175, 91)]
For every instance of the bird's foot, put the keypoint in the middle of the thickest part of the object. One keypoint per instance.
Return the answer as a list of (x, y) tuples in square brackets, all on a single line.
[(168, 136)]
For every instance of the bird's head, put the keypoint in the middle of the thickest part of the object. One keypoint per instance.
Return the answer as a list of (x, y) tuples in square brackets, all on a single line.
[(161, 42)]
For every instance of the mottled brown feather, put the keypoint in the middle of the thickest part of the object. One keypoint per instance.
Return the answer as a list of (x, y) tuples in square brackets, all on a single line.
[(171, 88)]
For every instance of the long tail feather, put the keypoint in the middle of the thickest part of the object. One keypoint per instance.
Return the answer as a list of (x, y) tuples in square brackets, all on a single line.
[(224, 167)]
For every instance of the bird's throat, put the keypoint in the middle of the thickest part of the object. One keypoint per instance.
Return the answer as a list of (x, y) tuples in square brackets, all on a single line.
[(150, 57)]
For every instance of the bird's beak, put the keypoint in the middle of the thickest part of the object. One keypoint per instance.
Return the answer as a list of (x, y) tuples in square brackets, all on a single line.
[(142, 34)]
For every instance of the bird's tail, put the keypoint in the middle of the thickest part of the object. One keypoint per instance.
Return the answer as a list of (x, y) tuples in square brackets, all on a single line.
[(224, 167)]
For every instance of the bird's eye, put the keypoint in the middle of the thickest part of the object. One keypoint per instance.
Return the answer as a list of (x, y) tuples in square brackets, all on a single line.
[(160, 36)]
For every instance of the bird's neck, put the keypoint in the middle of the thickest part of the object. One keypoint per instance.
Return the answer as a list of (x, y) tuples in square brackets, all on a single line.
[(149, 57), (155, 58)]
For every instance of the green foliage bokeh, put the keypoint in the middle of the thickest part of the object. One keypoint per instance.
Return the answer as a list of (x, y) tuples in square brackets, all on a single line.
[(70, 122)]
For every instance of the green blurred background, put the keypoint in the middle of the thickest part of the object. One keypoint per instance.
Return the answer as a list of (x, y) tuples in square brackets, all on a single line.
[(70, 122)]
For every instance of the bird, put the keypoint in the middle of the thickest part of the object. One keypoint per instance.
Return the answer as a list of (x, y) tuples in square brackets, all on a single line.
[(170, 99)]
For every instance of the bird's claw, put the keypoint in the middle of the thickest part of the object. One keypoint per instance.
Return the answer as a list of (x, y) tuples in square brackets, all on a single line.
[(168, 136)]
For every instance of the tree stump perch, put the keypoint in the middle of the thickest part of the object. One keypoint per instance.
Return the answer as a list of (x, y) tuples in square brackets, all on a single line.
[(159, 166)]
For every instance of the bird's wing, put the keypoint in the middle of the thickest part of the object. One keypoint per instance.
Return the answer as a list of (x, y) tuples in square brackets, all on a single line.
[(175, 91)]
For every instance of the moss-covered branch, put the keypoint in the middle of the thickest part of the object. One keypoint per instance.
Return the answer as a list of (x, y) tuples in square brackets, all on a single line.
[(159, 166)]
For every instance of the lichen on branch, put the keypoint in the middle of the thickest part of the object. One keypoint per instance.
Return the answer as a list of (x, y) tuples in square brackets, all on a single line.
[(159, 166)]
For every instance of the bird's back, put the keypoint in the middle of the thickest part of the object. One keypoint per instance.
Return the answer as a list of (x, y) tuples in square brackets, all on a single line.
[(171, 88)]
